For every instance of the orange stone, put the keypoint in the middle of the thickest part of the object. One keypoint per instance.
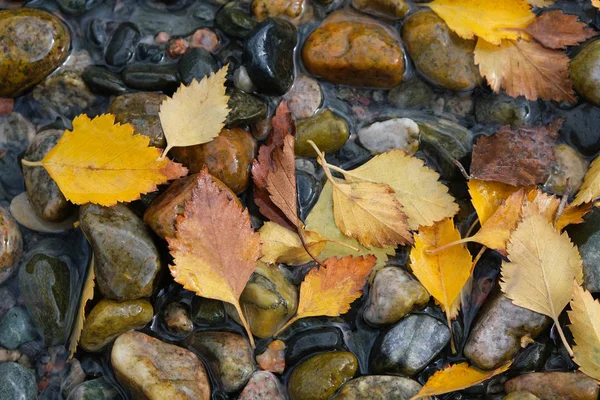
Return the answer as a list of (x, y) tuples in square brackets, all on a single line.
[(351, 49), (273, 358)]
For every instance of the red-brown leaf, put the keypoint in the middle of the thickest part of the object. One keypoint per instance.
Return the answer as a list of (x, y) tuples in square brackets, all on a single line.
[(555, 30)]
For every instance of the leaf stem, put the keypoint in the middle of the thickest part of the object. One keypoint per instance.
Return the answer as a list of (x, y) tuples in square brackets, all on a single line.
[(305, 245), (477, 257), (472, 227), (245, 323), (448, 245), (452, 345), (344, 244), (165, 151), (32, 163), (563, 338), (286, 325)]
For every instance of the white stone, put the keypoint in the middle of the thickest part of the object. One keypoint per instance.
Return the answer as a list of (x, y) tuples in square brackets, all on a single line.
[(305, 98), (242, 81), (398, 133)]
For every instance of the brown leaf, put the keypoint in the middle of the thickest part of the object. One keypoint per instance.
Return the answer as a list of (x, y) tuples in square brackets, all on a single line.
[(281, 183), (518, 158), (556, 30), (215, 249), (525, 68)]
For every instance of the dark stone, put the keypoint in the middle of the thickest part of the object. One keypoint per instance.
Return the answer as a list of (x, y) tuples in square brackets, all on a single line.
[(102, 81), (245, 109), (151, 77), (312, 341), (234, 21), (151, 52), (16, 328), (583, 72), (121, 48), (96, 31), (308, 188), (96, 389), (506, 110), (7, 300), (196, 63), (207, 311), (269, 55), (580, 128), (587, 238), (17, 382), (76, 7)]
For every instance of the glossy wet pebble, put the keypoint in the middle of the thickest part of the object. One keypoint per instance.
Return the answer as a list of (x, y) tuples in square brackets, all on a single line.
[(263, 9), (102, 81), (587, 238), (378, 387), (95, 389), (127, 261), (229, 357), (555, 385), (326, 129), (320, 376), (305, 97), (35, 42), (263, 385), (177, 319), (583, 72), (245, 109), (11, 245), (155, 370), (121, 47), (17, 382), (196, 63), (16, 328)]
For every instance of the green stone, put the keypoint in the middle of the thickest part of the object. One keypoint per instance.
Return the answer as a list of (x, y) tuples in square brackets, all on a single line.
[(34, 43), (108, 319), (320, 376), (96, 389), (327, 130), (17, 382), (16, 328), (584, 74), (207, 311), (245, 109)]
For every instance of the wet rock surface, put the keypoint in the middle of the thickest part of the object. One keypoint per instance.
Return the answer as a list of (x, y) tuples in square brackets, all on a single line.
[(378, 387), (11, 245), (555, 385), (17, 382)]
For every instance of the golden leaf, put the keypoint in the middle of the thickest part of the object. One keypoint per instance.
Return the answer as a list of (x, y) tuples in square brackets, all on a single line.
[(490, 20), (585, 327), (596, 3), (215, 249), (104, 163), (546, 205), (423, 198), (280, 245), (320, 220), (573, 215), (330, 289), (456, 377), (525, 68), (540, 3), (590, 188), (487, 196), (543, 264), (86, 295), (196, 113)]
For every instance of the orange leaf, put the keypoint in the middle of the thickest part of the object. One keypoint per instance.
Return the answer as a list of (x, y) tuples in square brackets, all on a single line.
[(215, 249), (456, 377), (540, 203), (525, 68), (556, 30), (487, 196), (573, 215), (330, 289), (281, 183), (596, 3)]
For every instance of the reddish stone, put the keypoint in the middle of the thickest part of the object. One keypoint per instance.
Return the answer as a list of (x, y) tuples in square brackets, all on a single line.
[(555, 385), (273, 359), (178, 47), (206, 39), (6, 105), (162, 37)]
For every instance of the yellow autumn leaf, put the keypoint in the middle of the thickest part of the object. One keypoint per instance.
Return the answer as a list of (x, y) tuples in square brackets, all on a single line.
[(424, 199), (445, 272), (590, 188), (585, 327), (196, 113), (543, 264), (487, 196), (320, 220), (104, 163), (456, 377), (490, 20), (596, 3), (573, 215), (541, 3), (280, 245), (546, 205), (86, 295)]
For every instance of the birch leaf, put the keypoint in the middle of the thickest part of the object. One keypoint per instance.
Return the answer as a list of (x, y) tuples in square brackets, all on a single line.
[(280, 245), (196, 113), (596, 3), (86, 295), (585, 326), (556, 30), (590, 188), (487, 196)]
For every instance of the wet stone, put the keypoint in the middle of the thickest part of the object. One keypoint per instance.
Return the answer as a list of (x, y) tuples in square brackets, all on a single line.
[(7, 300), (351, 49), (520, 395), (102, 81), (108, 319), (151, 77), (196, 64), (555, 385), (312, 341), (229, 357), (245, 109), (263, 385), (409, 345), (505, 110), (263, 9), (384, 8), (587, 238), (269, 55), (242, 81), (155, 370), (16, 328), (121, 48), (583, 72), (378, 387), (177, 319), (308, 188), (567, 172), (15, 131), (96, 389), (393, 294), (440, 54), (327, 130), (46, 198), (393, 134), (234, 21), (305, 97), (207, 311), (11, 245), (127, 261), (273, 358), (412, 94), (496, 335), (17, 382), (141, 111), (321, 375), (76, 7), (35, 43)]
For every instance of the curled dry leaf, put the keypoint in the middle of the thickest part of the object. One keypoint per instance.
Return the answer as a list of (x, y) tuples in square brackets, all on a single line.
[(490, 20), (215, 249), (556, 30), (590, 188), (456, 377), (548, 206), (520, 158), (543, 264), (281, 182), (487, 196), (525, 68), (280, 245), (86, 295), (196, 113), (585, 327), (104, 163), (330, 289)]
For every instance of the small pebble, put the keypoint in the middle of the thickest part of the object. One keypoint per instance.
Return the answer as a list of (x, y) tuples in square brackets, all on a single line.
[(178, 47), (273, 358), (305, 97), (242, 81), (177, 318), (6, 105), (162, 37), (206, 39)]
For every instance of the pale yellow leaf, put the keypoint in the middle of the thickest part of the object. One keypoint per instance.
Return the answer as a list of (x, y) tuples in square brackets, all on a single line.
[(541, 3), (280, 245), (423, 198), (490, 20), (596, 3), (590, 188), (585, 326), (543, 264), (196, 113), (456, 377), (487, 196), (86, 295)]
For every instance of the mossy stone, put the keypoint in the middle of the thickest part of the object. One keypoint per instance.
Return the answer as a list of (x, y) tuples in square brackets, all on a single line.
[(327, 130)]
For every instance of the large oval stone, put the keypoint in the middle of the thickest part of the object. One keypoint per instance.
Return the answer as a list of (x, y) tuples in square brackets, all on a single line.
[(440, 54), (17, 382), (127, 261), (585, 73), (354, 50), (155, 370), (378, 387), (34, 43)]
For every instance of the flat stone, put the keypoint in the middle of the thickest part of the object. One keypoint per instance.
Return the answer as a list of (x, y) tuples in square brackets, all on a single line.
[(378, 387), (392, 134), (327, 130), (555, 385), (17, 382), (16, 328)]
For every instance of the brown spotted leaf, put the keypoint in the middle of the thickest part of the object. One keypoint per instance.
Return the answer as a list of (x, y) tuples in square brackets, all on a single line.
[(556, 30)]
